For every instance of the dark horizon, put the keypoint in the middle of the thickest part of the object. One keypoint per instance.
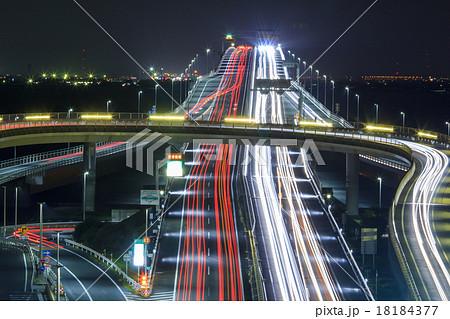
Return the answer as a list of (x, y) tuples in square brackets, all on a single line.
[(401, 36)]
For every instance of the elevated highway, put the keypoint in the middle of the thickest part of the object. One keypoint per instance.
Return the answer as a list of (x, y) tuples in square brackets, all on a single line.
[(227, 107)]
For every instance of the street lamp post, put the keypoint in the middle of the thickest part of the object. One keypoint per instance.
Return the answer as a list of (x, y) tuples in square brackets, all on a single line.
[(379, 193), (58, 267), (332, 96), (357, 108), (403, 120), (139, 102), (347, 90), (311, 77), (207, 64), (84, 194), (145, 241), (376, 113), (325, 91), (448, 128), (317, 80), (41, 221), (69, 112), (156, 93), (107, 106), (4, 211), (15, 207), (172, 93)]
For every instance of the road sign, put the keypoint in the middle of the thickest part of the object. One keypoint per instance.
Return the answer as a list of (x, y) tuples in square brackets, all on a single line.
[(23, 229), (45, 260), (149, 197), (126, 258), (42, 268), (46, 253)]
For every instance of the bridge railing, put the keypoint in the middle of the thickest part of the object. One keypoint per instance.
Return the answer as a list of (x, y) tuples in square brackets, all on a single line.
[(360, 131), (4, 178)]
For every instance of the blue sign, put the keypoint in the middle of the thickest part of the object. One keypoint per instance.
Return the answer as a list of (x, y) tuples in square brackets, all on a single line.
[(42, 268), (46, 253)]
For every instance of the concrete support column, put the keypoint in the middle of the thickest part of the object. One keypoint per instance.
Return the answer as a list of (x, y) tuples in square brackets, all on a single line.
[(352, 183), (89, 165)]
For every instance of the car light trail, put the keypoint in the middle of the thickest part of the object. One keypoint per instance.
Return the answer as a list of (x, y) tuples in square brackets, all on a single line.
[(300, 267), (423, 192), (192, 267)]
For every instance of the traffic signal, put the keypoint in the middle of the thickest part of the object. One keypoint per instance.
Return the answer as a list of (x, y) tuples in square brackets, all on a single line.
[(175, 165)]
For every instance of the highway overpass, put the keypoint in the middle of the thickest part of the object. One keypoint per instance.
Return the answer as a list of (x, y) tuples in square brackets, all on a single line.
[(207, 234)]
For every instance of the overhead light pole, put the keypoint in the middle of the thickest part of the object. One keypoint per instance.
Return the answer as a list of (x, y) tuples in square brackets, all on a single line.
[(448, 128), (107, 106), (317, 80), (172, 79), (84, 194), (325, 91), (376, 113), (15, 207), (332, 96), (403, 120), (347, 90), (357, 109), (156, 93), (207, 64), (58, 266), (4, 211), (311, 77), (41, 222), (380, 180), (139, 102)]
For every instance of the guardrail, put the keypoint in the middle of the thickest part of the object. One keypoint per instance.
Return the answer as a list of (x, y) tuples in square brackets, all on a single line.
[(119, 120), (401, 257), (385, 162), (58, 163), (111, 264), (256, 269), (45, 155), (18, 121)]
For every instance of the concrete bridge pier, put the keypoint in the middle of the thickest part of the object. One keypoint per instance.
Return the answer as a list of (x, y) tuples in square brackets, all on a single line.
[(89, 165), (352, 183)]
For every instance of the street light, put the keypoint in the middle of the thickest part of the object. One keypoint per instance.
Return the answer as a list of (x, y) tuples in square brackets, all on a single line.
[(317, 80), (84, 194), (41, 221), (107, 106), (347, 90), (325, 90), (4, 211), (311, 76), (173, 79), (15, 207), (448, 128), (139, 102), (379, 194), (156, 93), (403, 119), (69, 112), (207, 65), (376, 113), (357, 108), (332, 96)]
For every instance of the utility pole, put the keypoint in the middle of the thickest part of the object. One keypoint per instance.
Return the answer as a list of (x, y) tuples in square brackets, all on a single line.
[(4, 211)]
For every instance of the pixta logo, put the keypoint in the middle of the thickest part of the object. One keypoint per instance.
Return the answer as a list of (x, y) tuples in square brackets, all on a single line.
[(139, 142), (309, 150)]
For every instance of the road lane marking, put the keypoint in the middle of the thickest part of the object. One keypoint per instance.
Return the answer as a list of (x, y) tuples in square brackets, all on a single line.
[(26, 272), (103, 272)]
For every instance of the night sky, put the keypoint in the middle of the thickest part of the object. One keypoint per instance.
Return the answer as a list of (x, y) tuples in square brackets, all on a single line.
[(394, 35)]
